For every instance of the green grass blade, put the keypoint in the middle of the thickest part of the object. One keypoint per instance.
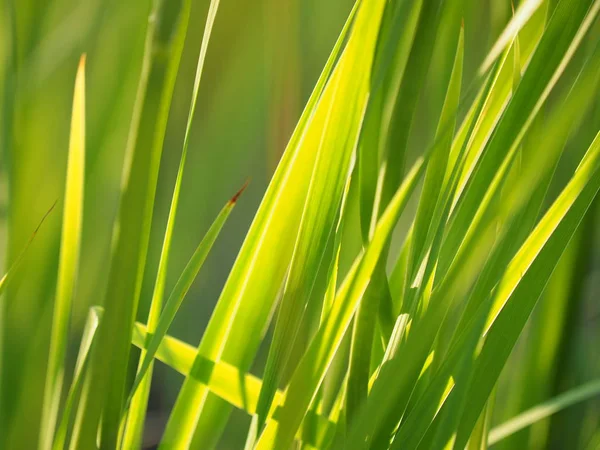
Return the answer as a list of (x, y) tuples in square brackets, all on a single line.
[(480, 438), (87, 339), (238, 389), (143, 154), (137, 411), (180, 290), (236, 327), (543, 410), (524, 12), (5, 280), (560, 40), (68, 263), (349, 94), (309, 374), (536, 177), (432, 190), (525, 279)]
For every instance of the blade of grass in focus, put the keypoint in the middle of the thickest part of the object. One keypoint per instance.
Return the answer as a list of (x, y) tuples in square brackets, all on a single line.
[(236, 327), (310, 371), (344, 102), (180, 290)]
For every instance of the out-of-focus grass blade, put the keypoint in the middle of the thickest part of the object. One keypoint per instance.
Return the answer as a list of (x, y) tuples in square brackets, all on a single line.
[(480, 438), (137, 411), (524, 12), (87, 338), (181, 288), (545, 409), (236, 327), (524, 281), (162, 53), (68, 262), (5, 280), (309, 374)]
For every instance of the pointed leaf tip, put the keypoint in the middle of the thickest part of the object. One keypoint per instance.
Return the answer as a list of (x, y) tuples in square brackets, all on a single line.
[(237, 195)]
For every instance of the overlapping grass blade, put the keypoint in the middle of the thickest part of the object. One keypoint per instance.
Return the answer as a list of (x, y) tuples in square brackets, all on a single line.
[(87, 339), (414, 25), (69, 262), (480, 437), (180, 290), (344, 102), (143, 152), (136, 414), (525, 279), (236, 327), (523, 14), (240, 390), (536, 177), (311, 369)]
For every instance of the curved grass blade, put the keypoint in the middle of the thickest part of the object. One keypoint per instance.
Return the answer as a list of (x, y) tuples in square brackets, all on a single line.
[(87, 339), (68, 263), (545, 409)]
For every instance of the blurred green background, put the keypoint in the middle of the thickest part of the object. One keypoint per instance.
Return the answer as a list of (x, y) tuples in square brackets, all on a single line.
[(263, 60)]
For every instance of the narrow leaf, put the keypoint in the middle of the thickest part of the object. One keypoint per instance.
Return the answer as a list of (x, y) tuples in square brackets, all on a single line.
[(68, 262)]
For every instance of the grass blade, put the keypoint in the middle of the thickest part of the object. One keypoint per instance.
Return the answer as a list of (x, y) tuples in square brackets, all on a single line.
[(110, 358), (5, 280), (69, 262), (344, 103), (524, 12), (309, 374), (181, 288), (543, 410), (87, 339), (136, 414), (525, 280), (236, 327), (238, 389)]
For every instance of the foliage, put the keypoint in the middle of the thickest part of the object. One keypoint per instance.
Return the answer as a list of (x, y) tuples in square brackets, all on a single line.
[(411, 279)]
